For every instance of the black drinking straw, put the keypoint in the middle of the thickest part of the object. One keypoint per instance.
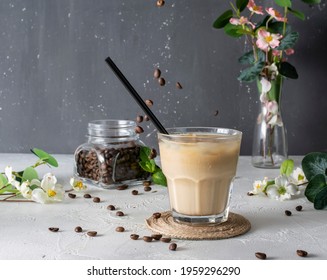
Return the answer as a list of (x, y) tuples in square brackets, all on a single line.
[(136, 96)]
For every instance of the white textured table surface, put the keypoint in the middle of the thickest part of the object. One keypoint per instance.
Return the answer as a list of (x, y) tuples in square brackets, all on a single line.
[(24, 227)]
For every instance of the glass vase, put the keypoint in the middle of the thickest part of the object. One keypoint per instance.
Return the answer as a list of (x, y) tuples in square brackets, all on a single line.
[(269, 148)]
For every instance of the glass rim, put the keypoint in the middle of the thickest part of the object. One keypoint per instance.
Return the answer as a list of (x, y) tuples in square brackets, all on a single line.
[(221, 132)]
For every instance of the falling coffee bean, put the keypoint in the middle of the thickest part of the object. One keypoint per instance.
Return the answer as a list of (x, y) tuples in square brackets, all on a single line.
[(139, 129), (160, 3), (178, 85), (78, 229), (111, 207), (92, 233), (161, 81), (120, 229), (147, 188), (87, 195), (156, 236), (135, 192), (146, 183), (261, 256), (96, 199), (146, 118), (122, 187), (153, 154), (139, 119), (72, 195), (157, 73), (216, 113), (165, 239), (147, 238), (156, 215), (149, 102), (301, 253), (288, 213), (134, 236), (298, 208), (53, 229), (120, 213), (173, 246)]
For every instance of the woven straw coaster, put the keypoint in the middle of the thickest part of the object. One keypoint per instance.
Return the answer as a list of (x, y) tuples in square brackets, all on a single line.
[(234, 226)]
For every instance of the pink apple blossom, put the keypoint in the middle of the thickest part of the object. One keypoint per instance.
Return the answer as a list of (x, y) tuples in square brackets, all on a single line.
[(276, 15), (240, 21), (289, 51), (267, 40), (254, 8)]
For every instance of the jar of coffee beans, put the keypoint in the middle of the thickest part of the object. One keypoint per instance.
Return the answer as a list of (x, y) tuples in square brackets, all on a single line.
[(111, 154)]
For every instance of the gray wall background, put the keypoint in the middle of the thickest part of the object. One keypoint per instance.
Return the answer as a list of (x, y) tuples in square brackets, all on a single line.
[(53, 78)]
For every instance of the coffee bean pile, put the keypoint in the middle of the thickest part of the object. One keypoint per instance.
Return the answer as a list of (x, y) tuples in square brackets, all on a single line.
[(110, 165)]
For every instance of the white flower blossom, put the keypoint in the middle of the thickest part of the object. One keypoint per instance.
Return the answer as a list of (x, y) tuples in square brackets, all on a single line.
[(48, 190), (259, 186), (77, 184), (283, 189), (11, 177), (297, 177)]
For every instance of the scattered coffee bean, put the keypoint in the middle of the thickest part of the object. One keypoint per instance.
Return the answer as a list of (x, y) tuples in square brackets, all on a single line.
[(161, 81), (147, 238), (298, 208), (146, 183), (301, 253), (87, 195), (157, 73), (134, 236), (153, 154), (53, 229), (96, 199), (72, 195), (288, 213), (78, 229), (178, 85), (139, 129), (156, 215), (92, 233), (111, 207), (146, 118), (156, 236), (122, 187), (250, 194), (216, 113), (165, 239), (120, 213), (139, 119), (160, 3), (147, 188), (261, 256), (149, 102), (135, 192), (173, 246), (120, 229)]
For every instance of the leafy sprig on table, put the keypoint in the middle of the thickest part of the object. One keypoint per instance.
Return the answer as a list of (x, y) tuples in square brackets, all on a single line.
[(148, 164), (314, 166)]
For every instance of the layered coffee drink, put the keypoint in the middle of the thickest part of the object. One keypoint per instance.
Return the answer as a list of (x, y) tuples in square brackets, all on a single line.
[(200, 166)]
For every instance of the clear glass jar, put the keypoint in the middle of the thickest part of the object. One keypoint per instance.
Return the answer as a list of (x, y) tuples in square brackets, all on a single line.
[(111, 154)]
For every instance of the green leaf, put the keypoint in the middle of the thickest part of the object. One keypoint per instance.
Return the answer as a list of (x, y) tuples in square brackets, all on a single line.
[(320, 201), (288, 41), (312, 2), (251, 73), (313, 164), (3, 180), (234, 30), (159, 178), (45, 157), (248, 58), (148, 165), (287, 167), (316, 184), (30, 174), (288, 70), (145, 153), (298, 14), (284, 3), (223, 19), (9, 189), (241, 4)]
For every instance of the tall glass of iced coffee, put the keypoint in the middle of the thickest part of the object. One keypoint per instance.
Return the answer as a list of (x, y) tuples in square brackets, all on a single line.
[(200, 165)]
